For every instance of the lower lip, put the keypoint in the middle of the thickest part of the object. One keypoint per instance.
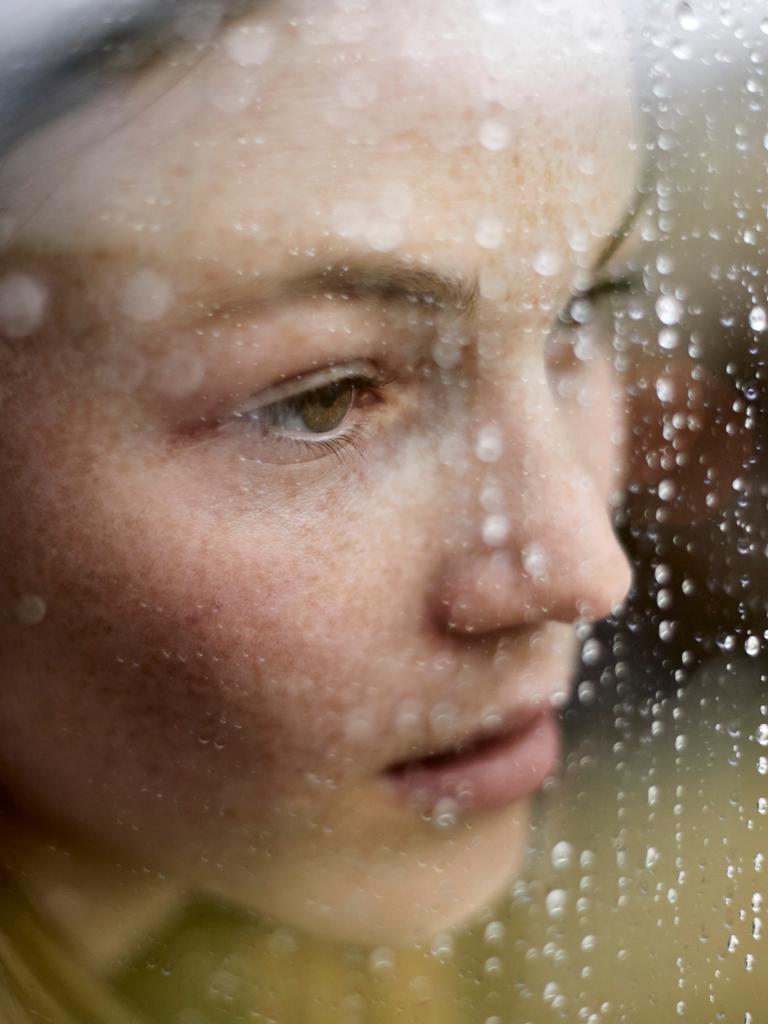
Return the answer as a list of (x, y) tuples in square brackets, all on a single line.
[(496, 773)]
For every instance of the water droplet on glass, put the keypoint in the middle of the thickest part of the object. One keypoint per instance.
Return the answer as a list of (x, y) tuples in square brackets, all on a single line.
[(250, 45), (562, 854), (662, 574), (489, 232), (752, 646), (758, 318), (494, 135), (146, 296), (681, 50), (592, 652), (547, 262), (495, 529), (687, 18), (22, 305), (383, 234), (534, 560), (667, 489), (555, 903), (761, 735), (490, 443), (666, 630), (587, 692), (382, 961), (30, 609), (669, 310)]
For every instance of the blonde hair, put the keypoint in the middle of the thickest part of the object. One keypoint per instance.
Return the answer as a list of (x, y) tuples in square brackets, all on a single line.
[(40, 977)]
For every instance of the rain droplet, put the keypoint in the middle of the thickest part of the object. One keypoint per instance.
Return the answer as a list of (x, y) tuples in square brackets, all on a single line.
[(669, 338), (761, 735), (146, 296), (669, 310), (250, 45), (592, 652), (652, 857), (662, 573), (490, 444), (587, 692), (535, 563), (681, 50), (562, 854), (489, 232), (752, 646), (667, 490), (555, 903), (30, 609), (22, 305), (758, 318), (495, 529), (687, 18), (384, 234), (382, 961), (547, 262), (494, 135), (666, 630)]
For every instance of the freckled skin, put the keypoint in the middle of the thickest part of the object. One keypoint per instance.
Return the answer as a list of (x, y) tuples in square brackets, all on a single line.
[(216, 619)]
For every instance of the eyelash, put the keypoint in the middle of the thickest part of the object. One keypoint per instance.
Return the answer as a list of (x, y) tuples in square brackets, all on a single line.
[(347, 439), (601, 290)]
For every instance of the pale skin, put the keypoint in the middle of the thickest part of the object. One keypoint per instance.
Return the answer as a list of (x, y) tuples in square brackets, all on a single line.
[(242, 631)]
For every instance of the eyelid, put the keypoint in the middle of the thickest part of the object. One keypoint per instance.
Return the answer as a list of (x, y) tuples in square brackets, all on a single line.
[(597, 291), (307, 382)]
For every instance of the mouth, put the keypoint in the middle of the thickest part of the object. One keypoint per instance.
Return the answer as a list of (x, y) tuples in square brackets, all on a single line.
[(484, 771)]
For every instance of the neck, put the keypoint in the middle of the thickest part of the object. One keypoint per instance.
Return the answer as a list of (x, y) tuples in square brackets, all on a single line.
[(102, 905)]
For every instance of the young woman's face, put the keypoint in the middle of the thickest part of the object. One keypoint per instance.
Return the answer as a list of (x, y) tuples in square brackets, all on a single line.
[(298, 483)]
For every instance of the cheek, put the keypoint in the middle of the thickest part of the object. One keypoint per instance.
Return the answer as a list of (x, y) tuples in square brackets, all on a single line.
[(187, 647)]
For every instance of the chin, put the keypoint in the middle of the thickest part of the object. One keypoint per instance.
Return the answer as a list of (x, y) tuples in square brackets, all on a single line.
[(399, 896)]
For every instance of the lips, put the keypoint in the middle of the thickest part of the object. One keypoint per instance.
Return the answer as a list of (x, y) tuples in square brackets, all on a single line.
[(483, 772)]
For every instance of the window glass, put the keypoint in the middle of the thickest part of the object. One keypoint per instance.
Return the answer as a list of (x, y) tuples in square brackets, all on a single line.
[(383, 523)]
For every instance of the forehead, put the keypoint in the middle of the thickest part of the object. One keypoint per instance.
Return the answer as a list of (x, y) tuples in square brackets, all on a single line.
[(302, 118)]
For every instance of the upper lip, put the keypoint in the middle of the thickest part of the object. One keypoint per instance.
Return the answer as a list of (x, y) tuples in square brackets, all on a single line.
[(516, 720)]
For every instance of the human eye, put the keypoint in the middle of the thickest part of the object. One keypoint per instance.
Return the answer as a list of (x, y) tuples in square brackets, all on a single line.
[(313, 415), (583, 303)]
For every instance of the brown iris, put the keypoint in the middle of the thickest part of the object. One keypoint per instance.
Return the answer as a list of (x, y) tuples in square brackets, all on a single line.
[(323, 409)]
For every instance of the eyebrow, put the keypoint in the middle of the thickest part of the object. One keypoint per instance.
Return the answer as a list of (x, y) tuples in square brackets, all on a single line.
[(393, 281)]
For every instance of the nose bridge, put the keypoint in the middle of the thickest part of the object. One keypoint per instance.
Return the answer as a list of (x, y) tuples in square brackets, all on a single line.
[(543, 544)]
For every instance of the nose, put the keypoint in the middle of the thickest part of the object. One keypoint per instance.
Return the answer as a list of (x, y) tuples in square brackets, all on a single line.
[(550, 555)]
